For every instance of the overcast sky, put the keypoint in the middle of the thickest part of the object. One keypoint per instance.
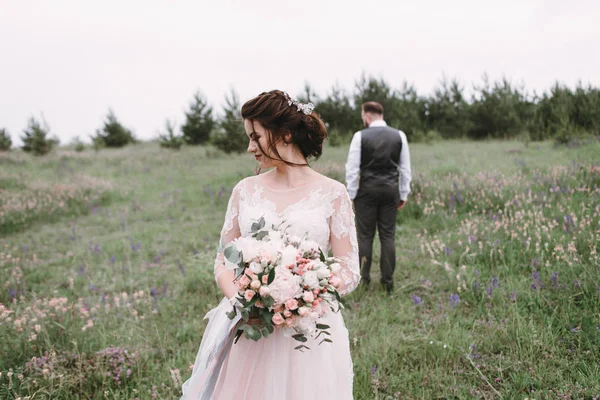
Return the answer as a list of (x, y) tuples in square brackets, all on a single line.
[(72, 60)]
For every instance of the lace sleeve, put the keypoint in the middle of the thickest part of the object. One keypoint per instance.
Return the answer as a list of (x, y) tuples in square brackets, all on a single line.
[(344, 244), (230, 231)]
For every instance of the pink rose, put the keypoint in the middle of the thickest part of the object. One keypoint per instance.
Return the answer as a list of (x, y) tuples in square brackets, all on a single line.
[(255, 284), (249, 294), (278, 309), (265, 256), (265, 279), (264, 291), (244, 282), (315, 303), (308, 297), (291, 304), (277, 319), (290, 322), (287, 313), (335, 281), (303, 311), (259, 304)]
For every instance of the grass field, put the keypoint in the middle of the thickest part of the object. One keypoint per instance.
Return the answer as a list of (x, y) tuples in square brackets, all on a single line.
[(106, 273)]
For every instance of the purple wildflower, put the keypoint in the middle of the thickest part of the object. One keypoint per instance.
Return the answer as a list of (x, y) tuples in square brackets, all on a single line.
[(447, 250), (373, 369), (454, 299), (495, 282), (416, 299), (554, 279)]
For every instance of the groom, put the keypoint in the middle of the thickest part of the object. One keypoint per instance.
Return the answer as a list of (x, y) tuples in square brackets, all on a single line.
[(379, 156)]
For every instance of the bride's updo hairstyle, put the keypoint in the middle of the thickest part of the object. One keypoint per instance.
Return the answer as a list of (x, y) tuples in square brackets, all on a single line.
[(280, 115)]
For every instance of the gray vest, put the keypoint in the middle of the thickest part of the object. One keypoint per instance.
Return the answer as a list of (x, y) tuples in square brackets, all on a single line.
[(379, 157)]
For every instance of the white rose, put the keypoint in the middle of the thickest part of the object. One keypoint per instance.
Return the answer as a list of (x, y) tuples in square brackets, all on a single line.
[(249, 248), (335, 268), (306, 325), (309, 245), (311, 280), (285, 286), (255, 284), (288, 256), (323, 273), (257, 268)]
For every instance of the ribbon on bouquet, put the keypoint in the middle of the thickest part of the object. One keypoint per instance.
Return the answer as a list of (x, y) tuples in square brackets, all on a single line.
[(215, 347)]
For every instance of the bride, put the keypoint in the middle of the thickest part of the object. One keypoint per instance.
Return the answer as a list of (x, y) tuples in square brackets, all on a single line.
[(283, 134)]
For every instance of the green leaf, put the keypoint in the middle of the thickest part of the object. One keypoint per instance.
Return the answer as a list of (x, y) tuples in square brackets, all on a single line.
[(300, 337), (322, 326), (321, 255), (301, 347), (231, 314), (265, 332), (325, 340), (268, 301), (261, 235), (271, 276), (252, 332), (257, 226), (232, 254), (245, 314)]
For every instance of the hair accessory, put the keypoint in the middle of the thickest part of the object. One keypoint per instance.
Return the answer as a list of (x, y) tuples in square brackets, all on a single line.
[(305, 108)]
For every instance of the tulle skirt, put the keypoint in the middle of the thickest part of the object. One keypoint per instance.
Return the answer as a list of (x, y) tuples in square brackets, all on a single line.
[(271, 369)]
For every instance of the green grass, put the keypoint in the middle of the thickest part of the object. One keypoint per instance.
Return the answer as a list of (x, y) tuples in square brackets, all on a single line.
[(128, 265)]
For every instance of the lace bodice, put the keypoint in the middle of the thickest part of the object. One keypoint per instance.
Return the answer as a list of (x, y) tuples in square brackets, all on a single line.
[(321, 209)]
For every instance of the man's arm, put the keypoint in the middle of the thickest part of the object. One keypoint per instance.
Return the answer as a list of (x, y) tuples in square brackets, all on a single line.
[(405, 171), (353, 166)]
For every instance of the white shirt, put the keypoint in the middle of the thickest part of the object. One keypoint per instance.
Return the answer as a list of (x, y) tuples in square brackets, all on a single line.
[(353, 164)]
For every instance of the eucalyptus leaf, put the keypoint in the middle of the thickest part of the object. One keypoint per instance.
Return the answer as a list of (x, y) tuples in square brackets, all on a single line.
[(261, 235), (271, 276), (232, 254), (300, 337), (252, 332)]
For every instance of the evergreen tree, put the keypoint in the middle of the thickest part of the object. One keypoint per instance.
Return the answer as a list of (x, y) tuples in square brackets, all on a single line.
[(35, 138), (199, 121), (170, 140), (113, 133), (230, 135), (5, 140)]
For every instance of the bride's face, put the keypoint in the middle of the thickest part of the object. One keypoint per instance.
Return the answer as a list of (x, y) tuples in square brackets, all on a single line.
[(260, 145)]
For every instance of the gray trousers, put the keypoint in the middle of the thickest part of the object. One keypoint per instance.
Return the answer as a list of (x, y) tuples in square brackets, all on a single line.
[(376, 208)]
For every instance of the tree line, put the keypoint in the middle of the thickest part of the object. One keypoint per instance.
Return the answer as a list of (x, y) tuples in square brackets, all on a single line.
[(489, 110)]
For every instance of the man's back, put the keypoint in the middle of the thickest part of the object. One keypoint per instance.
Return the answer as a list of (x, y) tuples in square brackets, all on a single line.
[(380, 157)]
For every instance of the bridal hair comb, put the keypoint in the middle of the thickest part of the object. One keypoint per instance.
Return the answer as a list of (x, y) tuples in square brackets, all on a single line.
[(305, 108)]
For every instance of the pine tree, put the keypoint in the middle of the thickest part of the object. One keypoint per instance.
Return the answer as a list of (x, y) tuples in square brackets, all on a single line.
[(5, 140), (170, 140), (35, 138), (113, 133), (199, 121), (230, 137)]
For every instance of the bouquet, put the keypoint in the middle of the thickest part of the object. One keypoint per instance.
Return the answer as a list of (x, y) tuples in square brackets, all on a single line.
[(283, 281)]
